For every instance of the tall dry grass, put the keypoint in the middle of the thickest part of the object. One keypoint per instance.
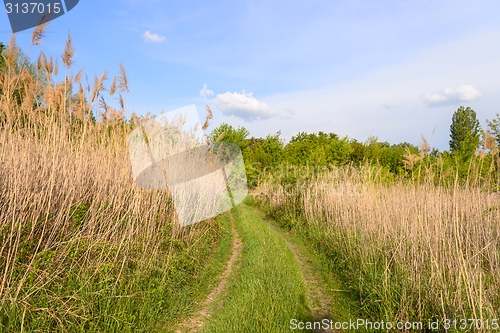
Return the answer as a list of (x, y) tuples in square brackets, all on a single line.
[(412, 251), (76, 234)]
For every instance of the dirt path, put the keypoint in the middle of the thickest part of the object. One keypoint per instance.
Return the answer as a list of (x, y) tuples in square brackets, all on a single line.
[(196, 322), (316, 299)]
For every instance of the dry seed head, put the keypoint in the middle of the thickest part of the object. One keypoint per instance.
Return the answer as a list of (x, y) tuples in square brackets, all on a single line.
[(425, 148), (69, 52), (220, 136), (88, 85), (78, 76), (95, 89), (410, 159), (56, 67), (123, 81), (38, 33), (49, 65), (116, 116), (12, 52), (98, 85), (134, 119), (103, 105), (490, 142), (112, 88), (120, 100), (207, 119), (81, 99), (40, 61), (440, 160)]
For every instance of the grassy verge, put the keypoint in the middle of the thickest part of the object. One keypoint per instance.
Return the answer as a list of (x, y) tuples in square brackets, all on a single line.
[(82, 247), (124, 295), (268, 290), (208, 278), (411, 252)]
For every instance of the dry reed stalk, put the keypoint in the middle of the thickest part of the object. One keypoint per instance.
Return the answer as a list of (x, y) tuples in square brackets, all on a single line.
[(55, 163), (435, 247)]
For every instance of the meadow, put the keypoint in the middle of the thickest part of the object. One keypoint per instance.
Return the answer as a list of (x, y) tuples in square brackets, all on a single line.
[(411, 250), (412, 234), (82, 248)]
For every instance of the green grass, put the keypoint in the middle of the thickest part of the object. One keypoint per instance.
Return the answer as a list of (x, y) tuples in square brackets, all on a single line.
[(208, 278), (268, 289), (107, 297), (345, 301)]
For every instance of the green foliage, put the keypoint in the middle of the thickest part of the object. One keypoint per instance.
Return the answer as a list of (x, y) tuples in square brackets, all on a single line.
[(315, 151), (110, 290), (2, 60), (318, 149), (307, 153), (227, 133), (261, 154), (78, 213), (494, 126), (464, 132)]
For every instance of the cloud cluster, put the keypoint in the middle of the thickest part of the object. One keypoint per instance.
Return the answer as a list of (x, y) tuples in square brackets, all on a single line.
[(204, 92), (243, 105), (152, 38), (463, 93)]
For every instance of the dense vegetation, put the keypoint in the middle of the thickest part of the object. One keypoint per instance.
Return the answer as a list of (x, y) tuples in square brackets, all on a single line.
[(82, 248), (472, 152), (413, 232)]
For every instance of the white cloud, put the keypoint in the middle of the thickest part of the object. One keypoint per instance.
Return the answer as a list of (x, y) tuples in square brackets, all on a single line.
[(463, 93), (152, 38), (243, 105), (204, 92)]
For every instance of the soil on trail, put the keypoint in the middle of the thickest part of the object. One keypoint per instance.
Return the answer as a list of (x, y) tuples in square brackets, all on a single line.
[(317, 300), (196, 322)]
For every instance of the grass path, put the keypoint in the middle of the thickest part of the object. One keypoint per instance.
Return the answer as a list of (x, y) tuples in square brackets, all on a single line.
[(196, 322), (270, 279), (317, 300), (268, 290)]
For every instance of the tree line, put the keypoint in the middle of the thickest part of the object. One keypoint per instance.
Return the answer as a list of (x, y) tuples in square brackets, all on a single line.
[(471, 149)]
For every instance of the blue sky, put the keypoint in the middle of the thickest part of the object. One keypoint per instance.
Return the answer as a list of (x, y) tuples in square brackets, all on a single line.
[(394, 69)]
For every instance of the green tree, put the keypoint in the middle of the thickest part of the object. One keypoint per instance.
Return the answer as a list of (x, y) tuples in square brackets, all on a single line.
[(494, 126), (339, 151), (227, 133), (315, 149), (270, 151), (262, 155), (2, 60), (465, 132)]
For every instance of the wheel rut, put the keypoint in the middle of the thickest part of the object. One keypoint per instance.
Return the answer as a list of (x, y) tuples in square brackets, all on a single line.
[(196, 322), (318, 302)]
